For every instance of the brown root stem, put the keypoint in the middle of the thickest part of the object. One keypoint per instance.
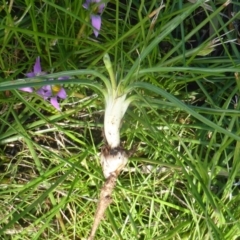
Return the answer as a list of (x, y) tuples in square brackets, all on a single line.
[(104, 201), (112, 161)]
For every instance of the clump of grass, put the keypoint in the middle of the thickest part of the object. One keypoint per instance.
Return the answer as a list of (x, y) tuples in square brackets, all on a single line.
[(182, 180)]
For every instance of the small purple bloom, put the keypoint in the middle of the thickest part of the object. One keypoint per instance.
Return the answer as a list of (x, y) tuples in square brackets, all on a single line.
[(47, 91), (37, 71), (95, 17)]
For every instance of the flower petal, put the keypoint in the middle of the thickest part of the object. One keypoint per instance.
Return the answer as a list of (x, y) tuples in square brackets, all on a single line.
[(37, 66), (31, 74), (101, 7), (55, 103), (26, 89), (86, 4), (45, 91), (96, 23), (62, 93)]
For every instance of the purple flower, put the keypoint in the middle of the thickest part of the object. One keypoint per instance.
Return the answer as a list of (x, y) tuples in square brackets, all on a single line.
[(48, 91), (53, 92), (37, 71), (95, 17)]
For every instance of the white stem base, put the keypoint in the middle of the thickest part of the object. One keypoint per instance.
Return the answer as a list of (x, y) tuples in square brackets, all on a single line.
[(113, 161)]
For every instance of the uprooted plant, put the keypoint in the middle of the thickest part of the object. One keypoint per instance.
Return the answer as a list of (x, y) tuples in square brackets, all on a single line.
[(113, 156)]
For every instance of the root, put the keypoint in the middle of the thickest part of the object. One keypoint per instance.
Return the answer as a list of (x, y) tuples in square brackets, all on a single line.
[(104, 201), (112, 161)]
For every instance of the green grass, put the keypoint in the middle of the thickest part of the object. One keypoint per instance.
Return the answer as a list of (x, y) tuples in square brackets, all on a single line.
[(183, 124)]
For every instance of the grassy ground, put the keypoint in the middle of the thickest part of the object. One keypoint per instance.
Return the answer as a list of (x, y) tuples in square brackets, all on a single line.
[(183, 127)]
